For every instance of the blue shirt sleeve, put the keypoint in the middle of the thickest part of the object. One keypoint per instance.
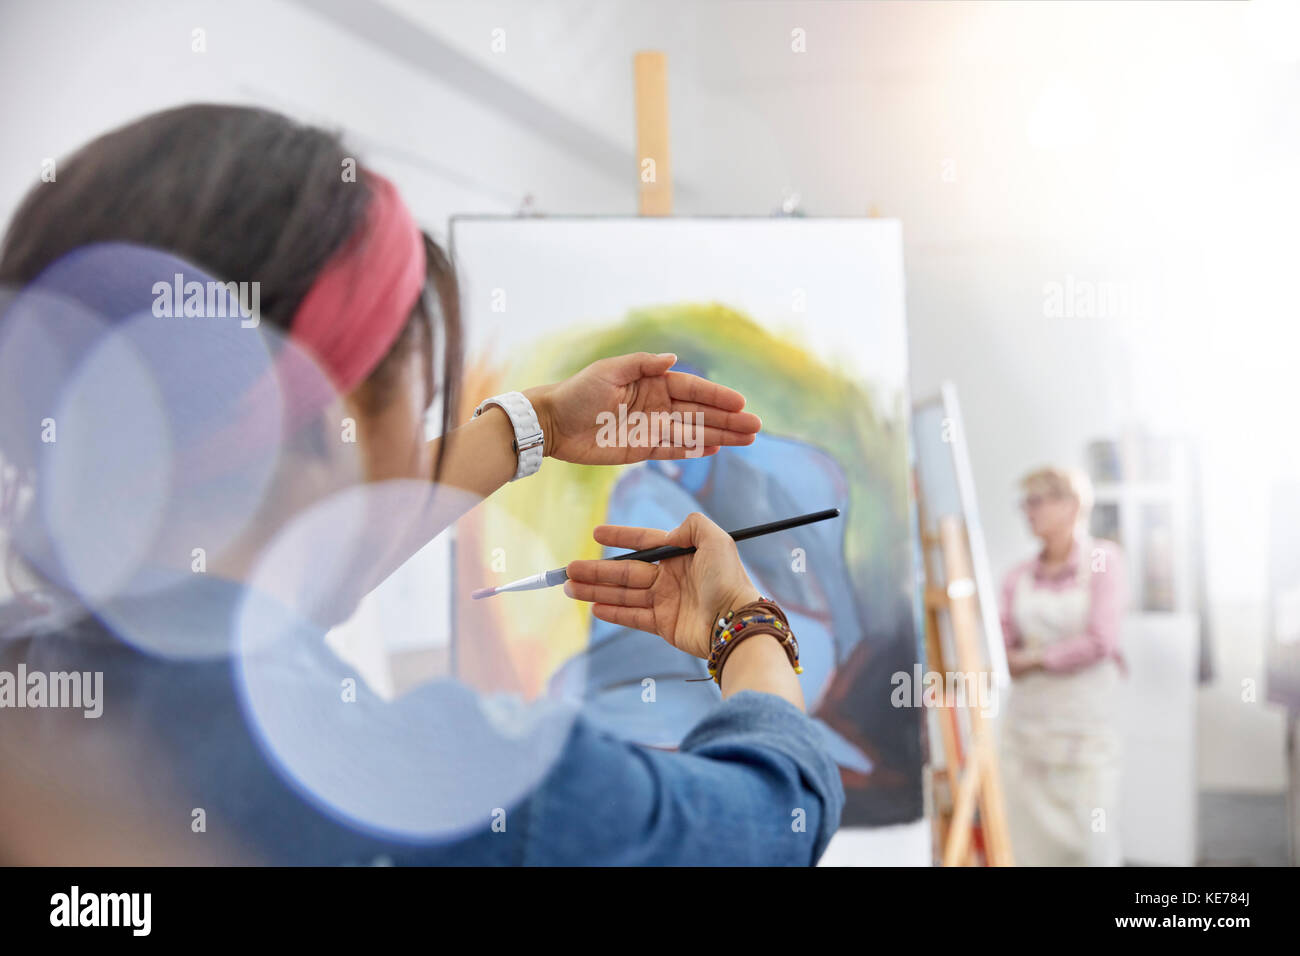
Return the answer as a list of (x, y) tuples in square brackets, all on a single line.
[(750, 785)]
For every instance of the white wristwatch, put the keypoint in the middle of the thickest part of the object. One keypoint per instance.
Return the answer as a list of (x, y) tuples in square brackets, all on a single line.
[(529, 443)]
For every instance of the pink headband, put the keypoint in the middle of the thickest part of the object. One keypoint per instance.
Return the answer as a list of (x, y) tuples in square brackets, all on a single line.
[(359, 304)]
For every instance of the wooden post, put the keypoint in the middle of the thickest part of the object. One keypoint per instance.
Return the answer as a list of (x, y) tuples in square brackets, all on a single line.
[(957, 850), (654, 168), (972, 780), (963, 614), (936, 601)]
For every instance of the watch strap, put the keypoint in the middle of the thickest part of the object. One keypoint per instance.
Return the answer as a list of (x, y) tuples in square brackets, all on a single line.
[(529, 441)]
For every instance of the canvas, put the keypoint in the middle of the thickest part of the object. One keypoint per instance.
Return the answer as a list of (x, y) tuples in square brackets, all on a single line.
[(947, 488), (805, 317)]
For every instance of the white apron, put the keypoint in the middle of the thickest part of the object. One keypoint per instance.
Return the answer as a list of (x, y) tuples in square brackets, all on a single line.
[(1060, 745)]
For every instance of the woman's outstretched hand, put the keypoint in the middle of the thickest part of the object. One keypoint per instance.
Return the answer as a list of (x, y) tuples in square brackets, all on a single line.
[(680, 598), (582, 414)]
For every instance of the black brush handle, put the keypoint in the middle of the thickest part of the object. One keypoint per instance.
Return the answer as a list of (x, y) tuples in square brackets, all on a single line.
[(665, 551)]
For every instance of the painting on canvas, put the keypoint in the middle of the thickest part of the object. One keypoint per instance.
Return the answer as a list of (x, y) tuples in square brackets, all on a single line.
[(805, 317)]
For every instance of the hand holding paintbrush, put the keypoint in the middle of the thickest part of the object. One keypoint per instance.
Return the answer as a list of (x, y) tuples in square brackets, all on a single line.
[(666, 598)]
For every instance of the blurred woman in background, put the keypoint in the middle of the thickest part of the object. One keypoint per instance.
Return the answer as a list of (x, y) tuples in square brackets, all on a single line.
[(1061, 616)]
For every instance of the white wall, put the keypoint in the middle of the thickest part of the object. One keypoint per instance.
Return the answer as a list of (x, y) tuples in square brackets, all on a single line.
[(76, 69)]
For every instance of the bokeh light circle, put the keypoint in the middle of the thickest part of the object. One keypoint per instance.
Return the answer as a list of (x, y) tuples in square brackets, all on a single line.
[(431, 765)]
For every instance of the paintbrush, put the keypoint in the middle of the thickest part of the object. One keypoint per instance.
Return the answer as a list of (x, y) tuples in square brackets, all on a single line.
[(549, 579)]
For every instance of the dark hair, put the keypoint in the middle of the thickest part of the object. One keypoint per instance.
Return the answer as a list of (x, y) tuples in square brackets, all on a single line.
[(239, 192)]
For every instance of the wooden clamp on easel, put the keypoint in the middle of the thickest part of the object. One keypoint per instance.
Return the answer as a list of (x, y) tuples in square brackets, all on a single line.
[(654, 169), (971, 773)]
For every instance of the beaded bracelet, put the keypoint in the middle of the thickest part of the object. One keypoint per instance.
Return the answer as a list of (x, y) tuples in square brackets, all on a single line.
[(759, 617)]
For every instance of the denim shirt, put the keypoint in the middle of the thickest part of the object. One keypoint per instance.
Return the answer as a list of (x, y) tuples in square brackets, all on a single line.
[(295, 773)]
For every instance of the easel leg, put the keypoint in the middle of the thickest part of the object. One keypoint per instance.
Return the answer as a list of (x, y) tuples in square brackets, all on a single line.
[(956, 853)]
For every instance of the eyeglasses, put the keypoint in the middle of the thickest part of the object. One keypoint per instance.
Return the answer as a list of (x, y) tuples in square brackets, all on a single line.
[(1029, 502)]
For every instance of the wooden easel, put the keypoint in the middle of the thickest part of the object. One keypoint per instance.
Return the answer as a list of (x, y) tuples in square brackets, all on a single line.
[(654, 170), (971, 778)]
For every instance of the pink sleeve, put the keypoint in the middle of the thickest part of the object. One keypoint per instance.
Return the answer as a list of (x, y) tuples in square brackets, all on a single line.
[(1010, 636), (1100, 637)]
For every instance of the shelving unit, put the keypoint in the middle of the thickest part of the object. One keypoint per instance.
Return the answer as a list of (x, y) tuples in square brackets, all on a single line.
[(1146, 490)]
